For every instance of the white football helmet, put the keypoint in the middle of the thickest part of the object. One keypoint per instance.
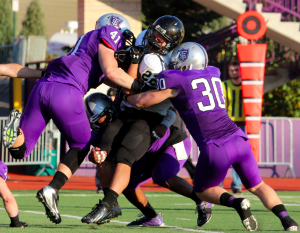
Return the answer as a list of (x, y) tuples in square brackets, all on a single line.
[(189, 56), (116, 20)]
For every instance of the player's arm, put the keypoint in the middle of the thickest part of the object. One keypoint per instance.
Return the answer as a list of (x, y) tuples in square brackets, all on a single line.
[(109, 66), (146, 99), (18, 71)]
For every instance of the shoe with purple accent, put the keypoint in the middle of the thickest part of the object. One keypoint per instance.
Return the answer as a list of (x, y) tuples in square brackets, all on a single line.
[(146, 221), (204, 213)]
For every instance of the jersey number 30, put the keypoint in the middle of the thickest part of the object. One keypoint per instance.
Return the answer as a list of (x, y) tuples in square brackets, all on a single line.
[(208, 92)]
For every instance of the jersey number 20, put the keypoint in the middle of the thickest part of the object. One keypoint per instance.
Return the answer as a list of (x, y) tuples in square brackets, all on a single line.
[(208, 92)]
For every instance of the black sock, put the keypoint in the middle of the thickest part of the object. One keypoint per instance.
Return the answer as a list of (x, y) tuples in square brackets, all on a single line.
[(110, 197), (58, 180), (105, 191), (280, 211), (226, 199), (15, 221), (148, 211), (194, 197)]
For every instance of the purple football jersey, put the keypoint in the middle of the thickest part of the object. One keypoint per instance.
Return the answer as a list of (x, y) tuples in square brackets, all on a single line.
[(81, 67), (200, 103)]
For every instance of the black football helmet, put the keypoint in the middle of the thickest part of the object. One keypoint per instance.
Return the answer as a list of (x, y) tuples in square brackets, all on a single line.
[(96, 106), (171, 28)]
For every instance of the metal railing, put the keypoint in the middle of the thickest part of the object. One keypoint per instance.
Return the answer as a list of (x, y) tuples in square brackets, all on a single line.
[(276, 144), (42, 152)]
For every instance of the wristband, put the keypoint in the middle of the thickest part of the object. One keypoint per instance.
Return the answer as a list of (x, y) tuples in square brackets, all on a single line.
[(169, 119)]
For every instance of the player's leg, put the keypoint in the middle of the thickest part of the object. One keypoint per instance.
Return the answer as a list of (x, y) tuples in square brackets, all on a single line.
[(68, 113), (211, 169), (249, 173), (132, 147), (9, 201), (165, 174), (29, 126), (141, 172), (108, 139)]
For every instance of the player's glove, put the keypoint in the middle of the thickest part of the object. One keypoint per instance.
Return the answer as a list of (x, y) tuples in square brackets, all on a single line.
[(144, 87), (122, 56), (120, 94), (128, 37), (136, 54)]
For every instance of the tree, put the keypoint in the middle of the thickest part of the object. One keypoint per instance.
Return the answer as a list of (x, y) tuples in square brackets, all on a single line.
[(283, 101), (6, 22), (194, 17), (33, 23)]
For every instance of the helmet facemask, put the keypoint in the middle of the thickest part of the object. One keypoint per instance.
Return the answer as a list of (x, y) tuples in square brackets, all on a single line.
[(95, 125), (152, 45)]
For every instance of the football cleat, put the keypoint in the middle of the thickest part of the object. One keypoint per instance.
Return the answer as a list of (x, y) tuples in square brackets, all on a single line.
[(100, 214), (116, 212), (250, 222), (146, 221), (204, 213), (21, 225), (49, 197), (11, 129), (289, 224)]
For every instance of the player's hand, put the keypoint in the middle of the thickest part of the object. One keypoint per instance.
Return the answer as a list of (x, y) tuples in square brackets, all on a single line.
[(144, 87), (136, 54), (122, 56), (159, 131), (96, 156)]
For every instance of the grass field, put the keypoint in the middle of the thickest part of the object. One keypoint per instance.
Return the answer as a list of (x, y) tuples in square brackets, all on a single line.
[(178, 214)]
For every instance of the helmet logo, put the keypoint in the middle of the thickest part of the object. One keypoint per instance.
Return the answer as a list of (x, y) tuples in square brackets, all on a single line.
[(183, 54), (160, 30), (115, 21)]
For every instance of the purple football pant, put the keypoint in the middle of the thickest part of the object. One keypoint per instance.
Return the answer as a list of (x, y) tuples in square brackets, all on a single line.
[(215, 160), (61, 102), (160, 166), (3, 170)]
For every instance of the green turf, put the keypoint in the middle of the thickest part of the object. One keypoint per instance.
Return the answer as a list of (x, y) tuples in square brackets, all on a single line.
[(177, 212)]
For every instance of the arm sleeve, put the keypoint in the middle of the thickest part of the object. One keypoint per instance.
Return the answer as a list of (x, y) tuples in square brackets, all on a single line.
[(165, 81), (111, 37)]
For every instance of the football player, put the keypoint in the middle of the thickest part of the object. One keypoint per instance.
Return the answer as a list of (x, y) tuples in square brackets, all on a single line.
[(127, 139), (164, 159), (58, 95), (9, 201), (161, 37), (195, 90)]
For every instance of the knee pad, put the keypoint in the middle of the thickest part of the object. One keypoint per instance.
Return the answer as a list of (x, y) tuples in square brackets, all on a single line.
[(74, 158), (18, 152)]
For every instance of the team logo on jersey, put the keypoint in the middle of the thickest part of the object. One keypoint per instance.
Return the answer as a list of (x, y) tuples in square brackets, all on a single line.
[(183, 54), (115, 21)]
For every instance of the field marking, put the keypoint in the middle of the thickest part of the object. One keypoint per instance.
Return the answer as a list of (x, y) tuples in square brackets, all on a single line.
[(116, 221), (148, 195)]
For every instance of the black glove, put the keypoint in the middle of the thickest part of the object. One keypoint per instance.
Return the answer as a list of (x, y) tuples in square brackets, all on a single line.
[(144, 87), (120, 94), (136, 54), (129, 38), (122, 56)]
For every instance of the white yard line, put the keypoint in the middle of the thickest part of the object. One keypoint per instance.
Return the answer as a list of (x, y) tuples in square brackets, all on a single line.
[(148, 195), (116, 221)]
